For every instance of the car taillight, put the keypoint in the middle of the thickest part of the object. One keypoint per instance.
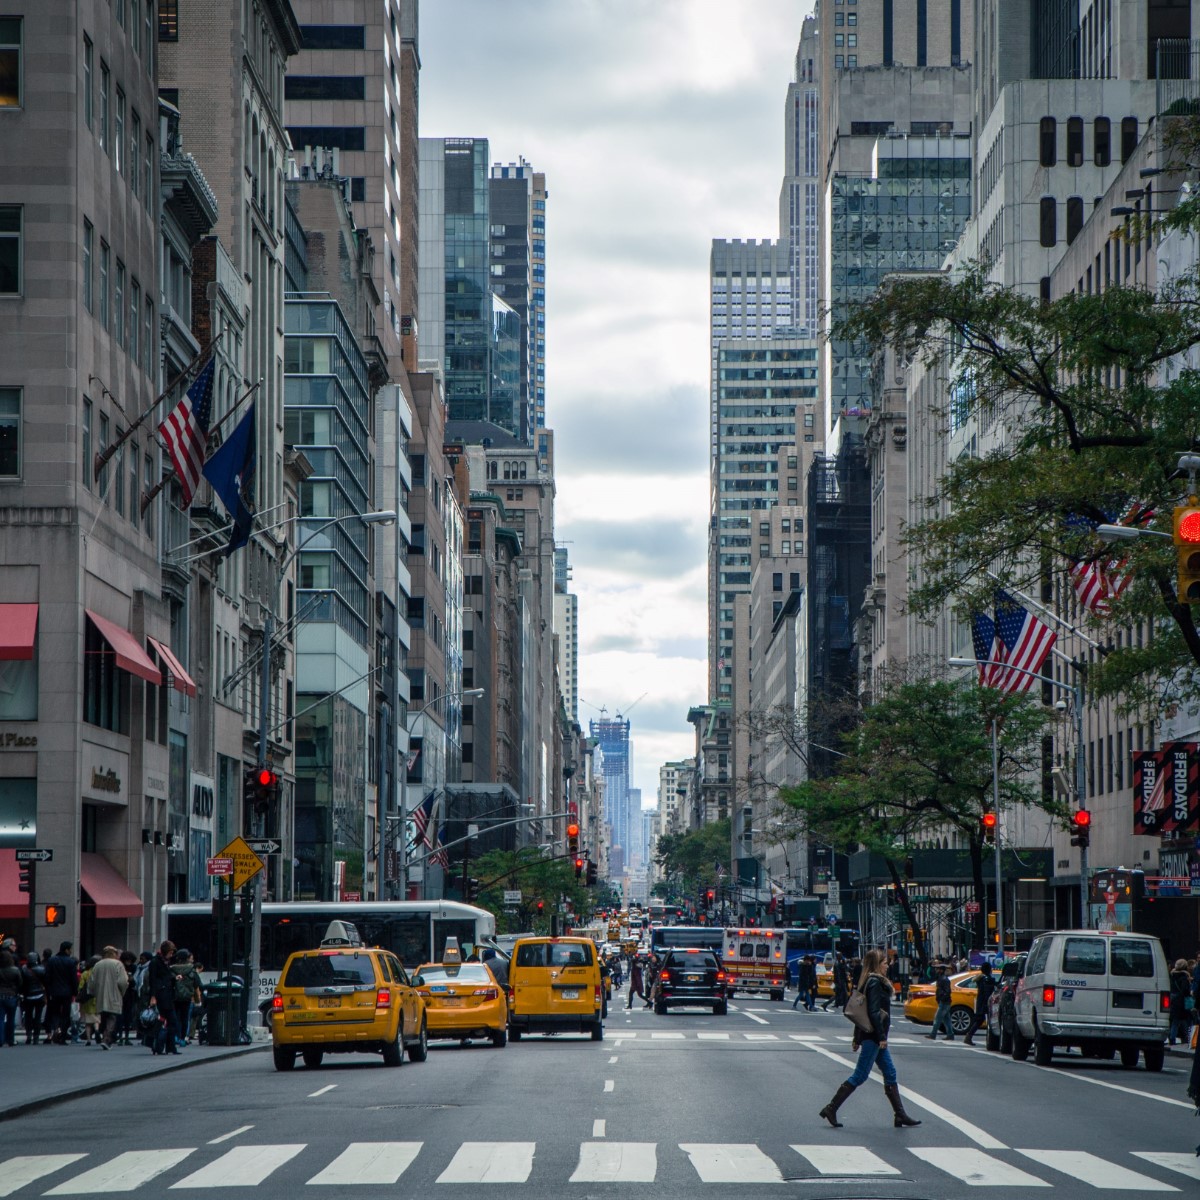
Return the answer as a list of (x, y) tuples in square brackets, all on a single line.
[(1164, 1001), (384, 998), (597, 994), (665, 976), (720, 976), (276, 1002), (486, 993), (1048, 995)]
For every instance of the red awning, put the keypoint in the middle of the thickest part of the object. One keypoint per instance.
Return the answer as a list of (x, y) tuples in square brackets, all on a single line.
[(107, 890), (130, 656), (181, 681), (18, 628), (14, 904)]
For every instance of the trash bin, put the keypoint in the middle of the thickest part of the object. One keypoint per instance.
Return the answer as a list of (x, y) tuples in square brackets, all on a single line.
[(223, 1003)]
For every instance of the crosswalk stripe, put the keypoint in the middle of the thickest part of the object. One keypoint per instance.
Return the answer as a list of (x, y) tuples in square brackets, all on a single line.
[(761, 1037), (244, 1166), (976, 1168), (616, 1162), (369, 1162), (713, 1037), (1185, 1163), (717, 1162), (490, 1162), (28, 1167), (845, 1160), (1099, 1172), (123, 1173), (661, 1037), (807, 1037)]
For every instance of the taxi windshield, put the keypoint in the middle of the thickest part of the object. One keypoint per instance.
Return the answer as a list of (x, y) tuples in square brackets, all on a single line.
[(329, 970), (467, 973)]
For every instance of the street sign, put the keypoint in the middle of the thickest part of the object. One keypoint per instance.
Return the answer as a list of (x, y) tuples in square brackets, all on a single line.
[(35, 855), (512, 896), (971, 908), (246, 864), (834, 896), (220, 866), (262, 846), (352, 897)]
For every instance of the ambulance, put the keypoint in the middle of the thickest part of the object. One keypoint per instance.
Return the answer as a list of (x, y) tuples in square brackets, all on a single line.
[(756, 960)]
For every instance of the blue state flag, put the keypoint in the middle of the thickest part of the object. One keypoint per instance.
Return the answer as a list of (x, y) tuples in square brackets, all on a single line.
[(230, 470)]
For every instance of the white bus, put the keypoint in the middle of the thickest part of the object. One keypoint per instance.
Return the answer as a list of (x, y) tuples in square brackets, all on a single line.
[(414, 930)]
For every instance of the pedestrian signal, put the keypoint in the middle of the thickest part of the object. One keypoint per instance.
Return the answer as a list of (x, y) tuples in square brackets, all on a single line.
[(54, 914)]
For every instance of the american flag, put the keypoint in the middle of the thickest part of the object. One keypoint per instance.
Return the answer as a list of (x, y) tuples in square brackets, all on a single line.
[(988, 649), (1099, 581), (420, 818), (440, 857), (185, 431), (1026, 643)]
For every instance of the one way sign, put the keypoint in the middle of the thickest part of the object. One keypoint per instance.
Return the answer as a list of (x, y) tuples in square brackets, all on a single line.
[(35, 855), (263, 845)]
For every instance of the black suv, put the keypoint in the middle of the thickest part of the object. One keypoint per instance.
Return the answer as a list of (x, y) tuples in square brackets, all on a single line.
[(691, 977), (1001, 1015)]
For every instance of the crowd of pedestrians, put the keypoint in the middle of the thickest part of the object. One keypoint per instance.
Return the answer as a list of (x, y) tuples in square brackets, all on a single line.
[(114, 998)]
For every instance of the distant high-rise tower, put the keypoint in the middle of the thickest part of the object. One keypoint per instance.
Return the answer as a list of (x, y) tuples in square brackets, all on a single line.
[(799, 196), (566, 626), (613, 736)]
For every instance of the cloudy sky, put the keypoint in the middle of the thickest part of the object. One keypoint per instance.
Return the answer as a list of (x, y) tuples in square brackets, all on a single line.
[(659, 125)]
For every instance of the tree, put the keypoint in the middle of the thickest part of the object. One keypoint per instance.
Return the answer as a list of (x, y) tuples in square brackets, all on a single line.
[(1092, 425), (919, 763), (538, 877), (690, 860)]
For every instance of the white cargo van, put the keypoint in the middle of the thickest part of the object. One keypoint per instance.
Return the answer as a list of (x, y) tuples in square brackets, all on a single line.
[(1102, 991)]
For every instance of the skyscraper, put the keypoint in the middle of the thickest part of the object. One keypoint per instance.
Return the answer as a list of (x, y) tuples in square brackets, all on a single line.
[(612, 734)]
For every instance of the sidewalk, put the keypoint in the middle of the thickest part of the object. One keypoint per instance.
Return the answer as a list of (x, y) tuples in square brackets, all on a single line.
[(33, 1079)]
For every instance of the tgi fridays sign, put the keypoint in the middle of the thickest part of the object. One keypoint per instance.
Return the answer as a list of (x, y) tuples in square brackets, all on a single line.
[(1166, 789)]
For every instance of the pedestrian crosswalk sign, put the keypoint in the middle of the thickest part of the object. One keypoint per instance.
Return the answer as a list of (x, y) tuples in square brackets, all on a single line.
[(246, 864)]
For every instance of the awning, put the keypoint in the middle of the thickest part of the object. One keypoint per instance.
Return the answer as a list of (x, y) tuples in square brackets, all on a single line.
[(14, 903), (106, 889), (130, 656), (181, 681), (18, 628)]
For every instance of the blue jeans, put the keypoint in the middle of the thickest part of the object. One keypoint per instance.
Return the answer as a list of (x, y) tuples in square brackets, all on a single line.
[(869, 1055), (942, 1018), (8, 1020)]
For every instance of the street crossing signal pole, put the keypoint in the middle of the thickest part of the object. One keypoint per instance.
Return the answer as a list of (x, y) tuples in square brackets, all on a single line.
[(996, 838)]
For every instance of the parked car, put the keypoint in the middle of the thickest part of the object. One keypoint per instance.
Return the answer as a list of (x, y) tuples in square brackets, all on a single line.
[(1001, 1017)]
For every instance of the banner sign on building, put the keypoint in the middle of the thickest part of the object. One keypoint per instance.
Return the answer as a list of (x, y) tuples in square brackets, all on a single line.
[(1166, 789)]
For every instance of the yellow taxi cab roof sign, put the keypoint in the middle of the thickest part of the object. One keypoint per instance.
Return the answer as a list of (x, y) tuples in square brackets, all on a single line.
[(341, 933), (451, 954)]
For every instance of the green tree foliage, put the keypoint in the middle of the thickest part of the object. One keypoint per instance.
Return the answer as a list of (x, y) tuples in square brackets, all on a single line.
[(919, 763), (1096, 409), (538, 877), (690, 859)]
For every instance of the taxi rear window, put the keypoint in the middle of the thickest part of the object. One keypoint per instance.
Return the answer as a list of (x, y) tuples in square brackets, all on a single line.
[(467, 973), (328, 970), (553, 954)]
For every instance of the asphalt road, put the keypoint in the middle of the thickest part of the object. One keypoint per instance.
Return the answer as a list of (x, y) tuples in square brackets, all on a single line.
[(666, 1107)]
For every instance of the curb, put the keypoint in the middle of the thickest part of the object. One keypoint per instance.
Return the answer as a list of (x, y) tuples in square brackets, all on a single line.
[(29, 1106)]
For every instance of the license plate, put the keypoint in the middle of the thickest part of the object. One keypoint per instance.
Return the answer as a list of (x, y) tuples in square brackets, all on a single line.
[(693, 979), (450, 1001), (570, 993), (328, 1002)]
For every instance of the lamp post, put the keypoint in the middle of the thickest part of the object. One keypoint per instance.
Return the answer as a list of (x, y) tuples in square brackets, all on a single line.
[(1076, 692)]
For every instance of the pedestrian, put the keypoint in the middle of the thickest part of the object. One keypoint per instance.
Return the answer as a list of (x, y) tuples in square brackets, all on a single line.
[(872, 1045), (10, 998), (841, 982), (1182, 1004), (161, 980), (129, 1000), (107, 983), (187, 992), (635, 983), (88, 1016), (62, 975), (807, 984), (983, 993), (942, 992), (650, 979), (33, 998)]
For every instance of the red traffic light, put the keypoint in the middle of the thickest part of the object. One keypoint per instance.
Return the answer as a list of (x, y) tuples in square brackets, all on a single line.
[(710, 894), (1187, 527), (1081, 819), (988, 820), (579, 864), (265, 777), (572, 831)]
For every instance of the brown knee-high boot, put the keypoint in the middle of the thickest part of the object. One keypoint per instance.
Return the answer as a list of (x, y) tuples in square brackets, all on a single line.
[(902, 1119), (829, 1112)]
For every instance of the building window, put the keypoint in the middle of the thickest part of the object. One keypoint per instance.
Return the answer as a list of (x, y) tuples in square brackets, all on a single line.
[(168, 20), (135, 464), (1129, 137), (777, 581), (119, 305), (148, 337), (104, 256), (10, 432), (119, 134), (148, 179), (839, 39), (85, 439), (104, 97), (1048, 142), (1074, 217), (105, 685), (324, 87), (1075, 142), (10, 62), (851, 60), (10, 250), (333, 37), (148, 486), (87, 265), (88, 83), (1049, 221), (1102, 141), (135, 152), (838, 62), (135, 312), (102, 477)]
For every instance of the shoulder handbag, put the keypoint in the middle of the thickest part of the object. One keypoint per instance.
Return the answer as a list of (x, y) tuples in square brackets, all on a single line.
[(856, 1011)]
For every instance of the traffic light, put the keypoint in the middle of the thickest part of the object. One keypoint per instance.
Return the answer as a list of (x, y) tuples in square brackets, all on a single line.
[(709, 897), (265, 782), (1187, 553), (54, 914), (25, 876), (1081, 827), (573, 840), (591, 872), (541, 904), (987, 824), (472, 890), (578, 868)]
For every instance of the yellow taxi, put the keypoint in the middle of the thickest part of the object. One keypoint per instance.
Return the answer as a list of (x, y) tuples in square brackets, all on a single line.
[(463, 1000), (345, 997), (554, 986), (921, 1005)]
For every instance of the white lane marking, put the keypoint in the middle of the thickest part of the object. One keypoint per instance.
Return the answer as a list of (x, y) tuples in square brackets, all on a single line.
[(369, 1162), (490, 1162), (979, 1136), (321, 1091), (663, 1037), (761, 1037), (1186, 1163), (754, 1018), (28, 1167), (231, 1134), (845, 1160), (123, 1173), (806, 1037), (895, 1041), (713, 1037), (610, 1085), (624, 1036), (1099, 1172), (1116, 1087), (976, 1168), (616, 1162), (613, 1059), (598, 1128), (244, 1166), (717, 1162)]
